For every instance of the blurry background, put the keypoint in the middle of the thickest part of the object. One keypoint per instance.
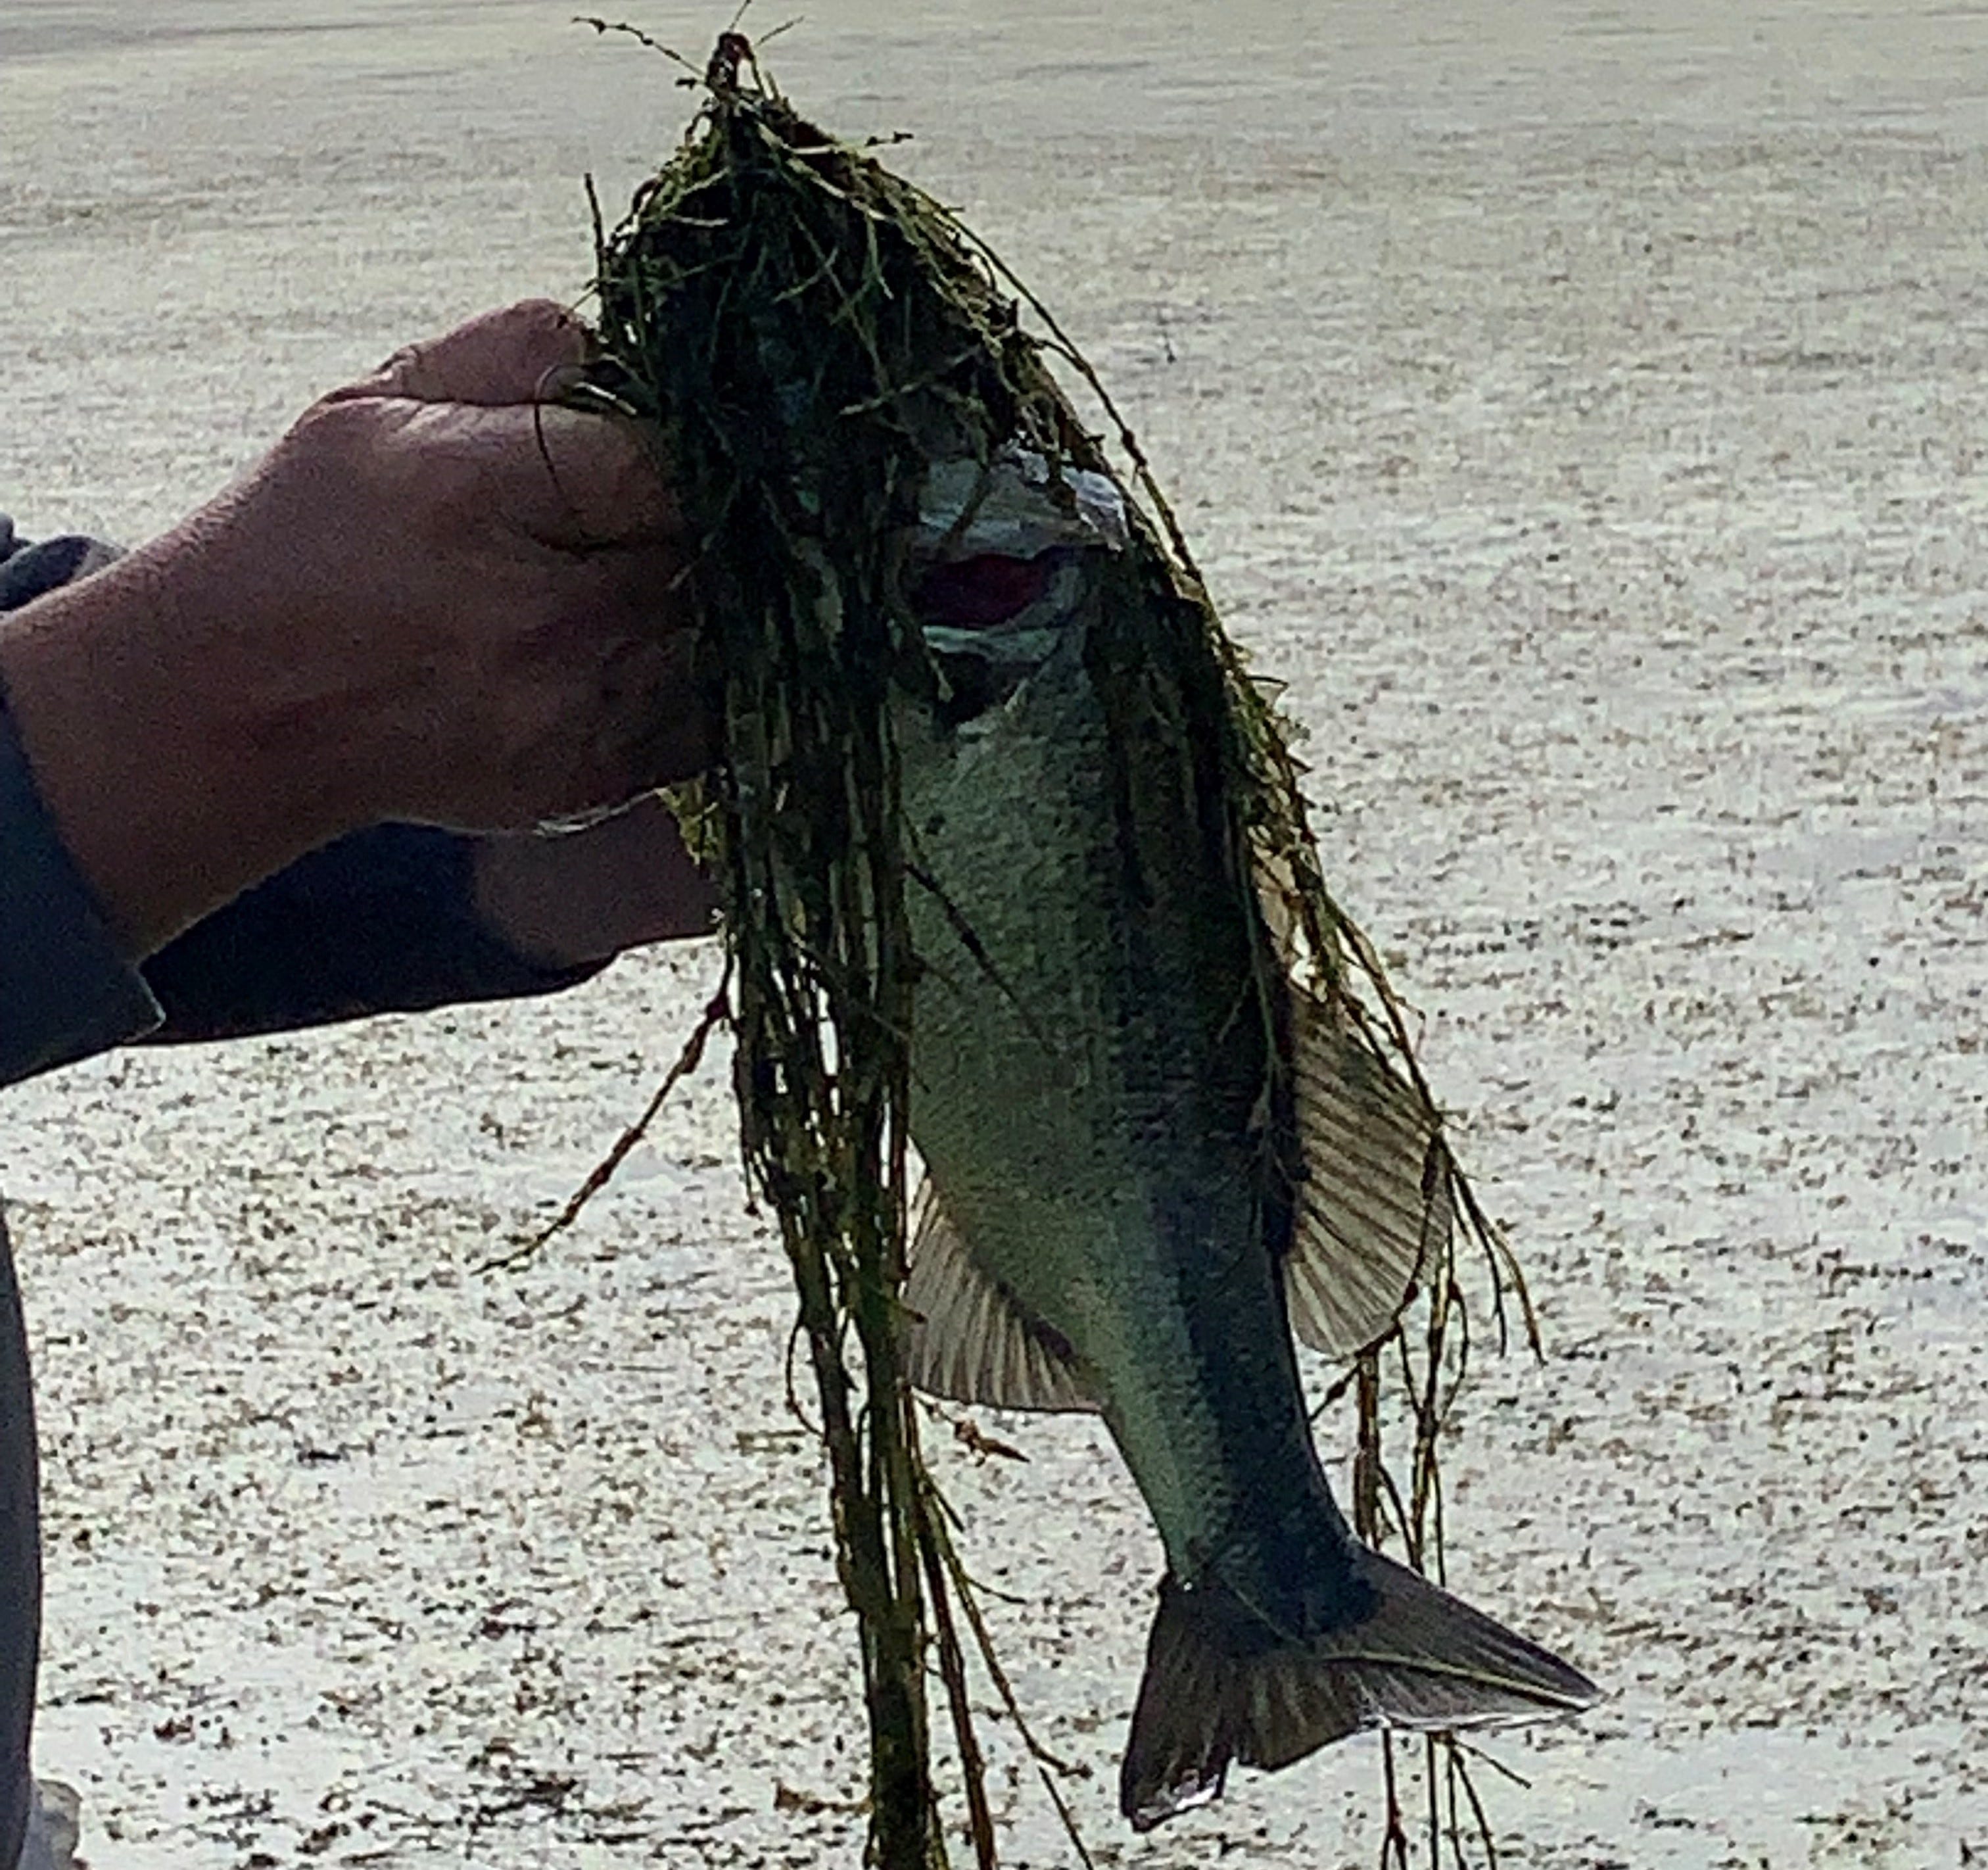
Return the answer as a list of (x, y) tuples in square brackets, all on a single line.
[(1583, 409)]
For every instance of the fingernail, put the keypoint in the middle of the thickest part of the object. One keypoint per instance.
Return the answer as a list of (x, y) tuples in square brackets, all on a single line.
[(559, 382)]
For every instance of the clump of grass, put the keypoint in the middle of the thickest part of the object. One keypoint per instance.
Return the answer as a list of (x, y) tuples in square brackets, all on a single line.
[(807, 333)]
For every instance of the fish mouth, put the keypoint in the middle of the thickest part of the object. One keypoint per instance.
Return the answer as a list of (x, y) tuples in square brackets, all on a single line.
[(1003, 561)]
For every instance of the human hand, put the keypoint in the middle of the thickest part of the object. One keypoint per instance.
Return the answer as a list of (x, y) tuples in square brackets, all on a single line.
[(566, 898), (528, 655), (440, 597)]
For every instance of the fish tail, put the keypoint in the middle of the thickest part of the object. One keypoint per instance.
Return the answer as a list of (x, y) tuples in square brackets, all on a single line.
[(1221, 1684)]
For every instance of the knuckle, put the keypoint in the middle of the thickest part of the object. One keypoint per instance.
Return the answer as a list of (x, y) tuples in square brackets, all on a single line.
[(543, 311)]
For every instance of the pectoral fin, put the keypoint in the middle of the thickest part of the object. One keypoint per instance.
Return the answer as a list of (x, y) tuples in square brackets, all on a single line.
[(1375, 1207), (969, 1338)]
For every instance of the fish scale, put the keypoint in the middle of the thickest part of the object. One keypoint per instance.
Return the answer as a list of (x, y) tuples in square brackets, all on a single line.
[(1087, 1217)]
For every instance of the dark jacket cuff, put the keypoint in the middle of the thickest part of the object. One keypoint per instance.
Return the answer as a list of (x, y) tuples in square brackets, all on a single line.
[(66, 991), (383, 921)]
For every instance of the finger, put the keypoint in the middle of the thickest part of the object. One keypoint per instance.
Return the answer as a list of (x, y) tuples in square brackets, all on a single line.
[(580, 482), (501, 357), (654, 727), (582, 896)]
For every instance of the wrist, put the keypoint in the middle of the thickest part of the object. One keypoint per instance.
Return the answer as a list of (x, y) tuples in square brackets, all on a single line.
[(176, 770)]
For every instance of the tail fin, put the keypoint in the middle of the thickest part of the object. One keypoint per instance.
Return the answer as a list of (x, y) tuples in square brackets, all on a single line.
[(1220, 1685)]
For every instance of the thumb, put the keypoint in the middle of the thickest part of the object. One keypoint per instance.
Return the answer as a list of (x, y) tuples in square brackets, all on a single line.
[(517, 355)]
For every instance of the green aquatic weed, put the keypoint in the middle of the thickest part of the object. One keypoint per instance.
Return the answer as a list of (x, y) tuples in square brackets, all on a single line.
[(807, 333)]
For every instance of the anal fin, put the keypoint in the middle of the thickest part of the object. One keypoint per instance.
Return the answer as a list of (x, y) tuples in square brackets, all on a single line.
[(968, 1337)]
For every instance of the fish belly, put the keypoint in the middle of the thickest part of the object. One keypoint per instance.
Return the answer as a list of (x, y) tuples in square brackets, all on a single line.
[(1084, 1081)]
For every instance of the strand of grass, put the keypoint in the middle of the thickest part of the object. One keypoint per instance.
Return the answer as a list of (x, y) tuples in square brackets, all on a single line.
[(969, 1591), (1398, 1513), (1506, 1271), (1369, 1469), (880, 1320), (952, 1672), (1433, 1783), (1341, 1384), (1428, 1476), (1394, 1833), (900, 1668), (904, 1830), (1423, 1525), (603, 27), (599, 221), (899, 1472), (773, 33), (717, 1012), (1422, 1480), (1452, 1830), (1048, 1767), (796, 1408), (1477, 1756), (1460, 1781)]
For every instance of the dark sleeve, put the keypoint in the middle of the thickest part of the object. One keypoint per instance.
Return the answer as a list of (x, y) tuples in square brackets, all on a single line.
[(381, 921), (65, 990)]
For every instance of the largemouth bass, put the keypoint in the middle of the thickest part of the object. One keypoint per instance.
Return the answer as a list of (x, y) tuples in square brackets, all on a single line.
[(1151, 1154)]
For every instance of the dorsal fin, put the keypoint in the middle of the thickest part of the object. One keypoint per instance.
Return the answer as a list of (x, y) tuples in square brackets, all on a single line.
[(1375, 1207), (967, 1338)]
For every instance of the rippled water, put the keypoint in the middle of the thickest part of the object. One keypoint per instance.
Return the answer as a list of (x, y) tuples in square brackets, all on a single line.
[(1582, 409)]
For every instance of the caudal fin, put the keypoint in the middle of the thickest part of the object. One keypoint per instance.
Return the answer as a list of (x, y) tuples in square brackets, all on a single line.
[(1220, 1685)]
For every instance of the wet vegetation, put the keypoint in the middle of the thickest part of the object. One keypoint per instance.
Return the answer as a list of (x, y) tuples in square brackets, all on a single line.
[(807, 333)]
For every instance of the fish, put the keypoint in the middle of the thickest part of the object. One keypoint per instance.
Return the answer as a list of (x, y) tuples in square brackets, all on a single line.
[(1154, 1157)]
